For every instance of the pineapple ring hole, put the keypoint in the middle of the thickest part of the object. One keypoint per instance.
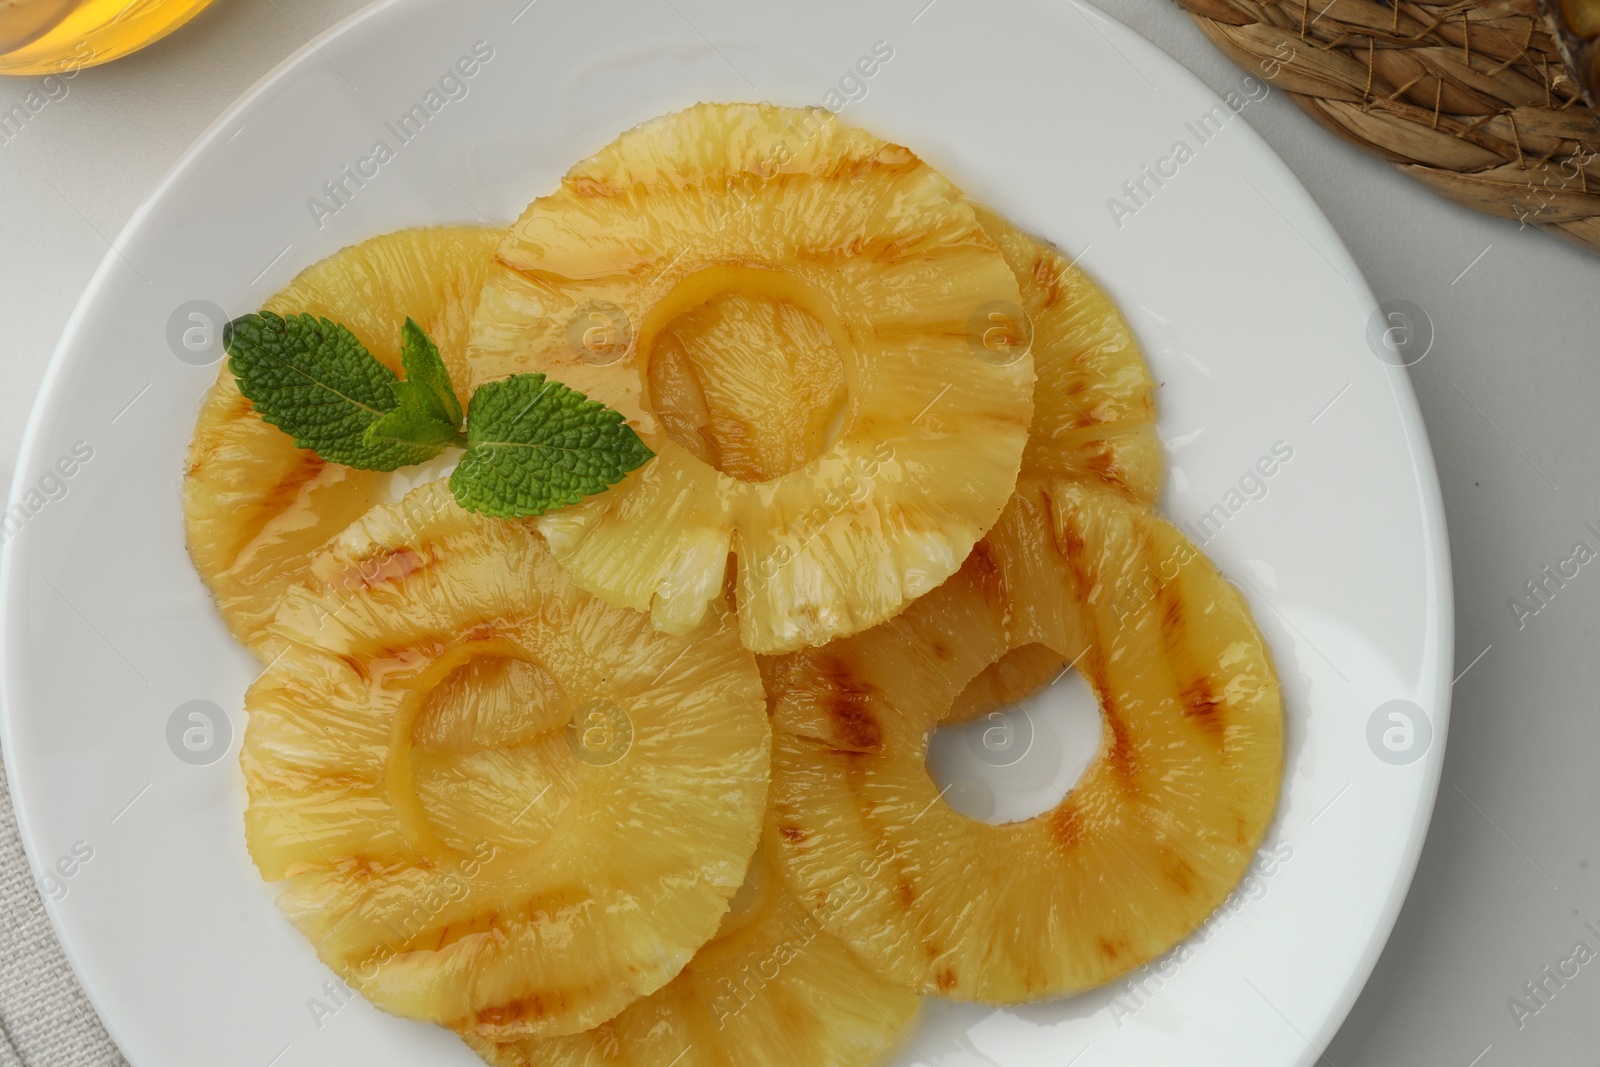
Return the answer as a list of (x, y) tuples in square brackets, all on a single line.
[(491, 700), (480, 696), (1021, 760), (746, 370)]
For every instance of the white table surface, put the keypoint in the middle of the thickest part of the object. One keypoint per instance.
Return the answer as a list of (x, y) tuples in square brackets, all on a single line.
[(1507, 879)]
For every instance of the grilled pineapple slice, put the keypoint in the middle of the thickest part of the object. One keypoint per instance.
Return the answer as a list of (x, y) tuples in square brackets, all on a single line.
[(453, 849), (1094, 412), (1150, 841), (780, 306), (255, 506), (772, 988)]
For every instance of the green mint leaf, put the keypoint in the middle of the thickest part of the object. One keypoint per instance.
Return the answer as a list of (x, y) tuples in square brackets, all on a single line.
[(427, 411), (314, 381), (533, 446)]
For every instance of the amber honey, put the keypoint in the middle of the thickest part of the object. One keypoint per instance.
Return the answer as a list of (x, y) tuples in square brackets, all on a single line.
[(64, 36)]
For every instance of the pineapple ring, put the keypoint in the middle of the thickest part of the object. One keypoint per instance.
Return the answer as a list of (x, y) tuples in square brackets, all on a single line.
[(256, 507), (772, 987), (527, 933), (1154, 836), (871, 249)]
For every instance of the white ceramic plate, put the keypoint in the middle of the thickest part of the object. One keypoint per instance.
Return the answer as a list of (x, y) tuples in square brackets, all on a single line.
[(1253, 316)]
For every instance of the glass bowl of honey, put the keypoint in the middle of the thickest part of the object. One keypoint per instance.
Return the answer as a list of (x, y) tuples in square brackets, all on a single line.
[(64, 36)]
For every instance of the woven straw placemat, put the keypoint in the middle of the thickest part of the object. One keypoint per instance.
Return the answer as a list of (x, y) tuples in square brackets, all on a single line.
[(1486, 103)]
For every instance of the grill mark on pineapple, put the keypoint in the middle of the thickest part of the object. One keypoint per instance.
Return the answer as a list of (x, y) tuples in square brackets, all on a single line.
[(357, 665), (1197, 696), (380, 568), (1181, 874), (1201, 704), (1108, 948), (275, 501), (1066, 826), (450, 933), (1121, 753), (533, 1007), (893, 252), (848, 704), (538, 910), (983, 568), (1068, 539), (854, 728), (280, 496), (982, 563), (888, 164), (1100, 459)]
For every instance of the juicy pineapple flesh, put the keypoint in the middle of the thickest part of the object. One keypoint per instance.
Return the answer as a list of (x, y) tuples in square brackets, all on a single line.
[(1139, 853), (780, 304), (256, 508), (773, 987), (497, 802), (1094, 412), (1015, 676)]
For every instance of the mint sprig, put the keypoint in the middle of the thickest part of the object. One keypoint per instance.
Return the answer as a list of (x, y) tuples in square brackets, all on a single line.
[(314, 381), (533, 445), (426, 409)]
